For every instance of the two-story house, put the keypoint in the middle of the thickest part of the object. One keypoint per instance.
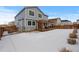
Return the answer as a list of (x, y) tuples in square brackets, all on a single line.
[(26, 19), (66, 22), (54, 21)]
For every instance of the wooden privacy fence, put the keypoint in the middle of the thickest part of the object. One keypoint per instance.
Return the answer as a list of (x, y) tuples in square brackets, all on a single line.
[(65, 26), (58, 27), (1, 32), (9, 28), (42, 26), (76, 26)]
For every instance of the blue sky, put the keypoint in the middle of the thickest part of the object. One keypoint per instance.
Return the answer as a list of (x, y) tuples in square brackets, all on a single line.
[(71, 13)]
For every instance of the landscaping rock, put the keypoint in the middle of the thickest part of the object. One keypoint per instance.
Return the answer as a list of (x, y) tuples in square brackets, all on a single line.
[(75, 31), (65, 50)]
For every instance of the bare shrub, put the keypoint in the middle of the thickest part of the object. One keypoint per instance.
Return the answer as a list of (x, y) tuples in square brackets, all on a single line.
[(71, 41), (72, 35)]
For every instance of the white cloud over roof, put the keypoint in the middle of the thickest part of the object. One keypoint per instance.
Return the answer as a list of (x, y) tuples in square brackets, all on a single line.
[(6, 15)]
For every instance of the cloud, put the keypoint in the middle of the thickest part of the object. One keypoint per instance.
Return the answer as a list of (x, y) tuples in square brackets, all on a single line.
[(65, 16), (71, 17), (6, 15)]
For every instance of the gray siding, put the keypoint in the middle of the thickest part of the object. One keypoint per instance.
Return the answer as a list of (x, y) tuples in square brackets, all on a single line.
[(23, 24)]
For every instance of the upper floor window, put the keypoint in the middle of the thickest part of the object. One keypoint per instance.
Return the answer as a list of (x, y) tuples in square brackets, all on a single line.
[(19, 19), (39, 15), (31, 13)]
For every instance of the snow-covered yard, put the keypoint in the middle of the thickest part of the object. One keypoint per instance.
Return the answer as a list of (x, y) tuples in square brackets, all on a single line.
[(50, 41)]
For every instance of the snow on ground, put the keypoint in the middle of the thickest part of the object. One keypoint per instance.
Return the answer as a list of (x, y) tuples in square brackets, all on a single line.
[(50, 41)]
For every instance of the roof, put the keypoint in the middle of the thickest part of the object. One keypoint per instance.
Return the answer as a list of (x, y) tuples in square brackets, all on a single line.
[(54, 20), (30, 7), (77, 19), (65, 21)]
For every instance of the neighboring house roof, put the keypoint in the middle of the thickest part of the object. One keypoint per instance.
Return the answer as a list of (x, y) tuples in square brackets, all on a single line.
[(65, 21), (77, 19), (54, 20), (31, 7)]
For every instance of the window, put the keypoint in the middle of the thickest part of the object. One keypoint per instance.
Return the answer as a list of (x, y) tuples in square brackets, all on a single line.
[(39, 15), (33, 23), (19, 19), (29, 22), (31, 13)]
